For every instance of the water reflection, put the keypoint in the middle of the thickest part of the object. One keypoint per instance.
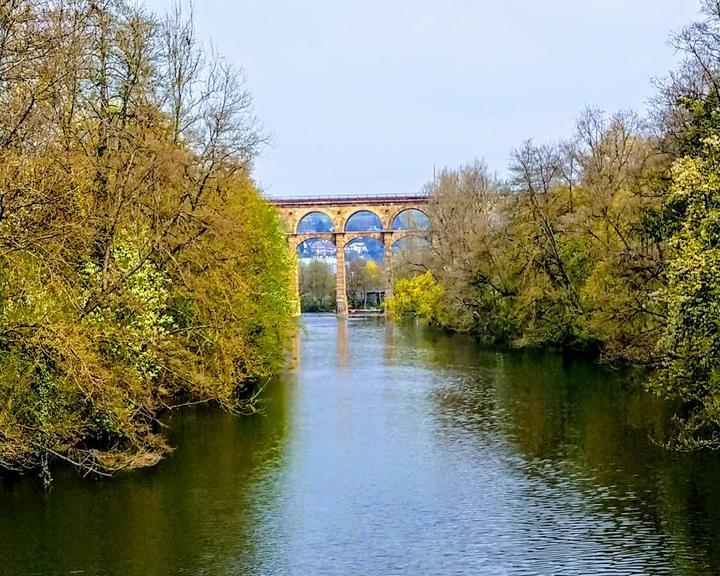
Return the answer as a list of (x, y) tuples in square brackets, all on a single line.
[(198, 513), (295, 357), (586, 435), (394, 450), (389, 349), (342, 343)]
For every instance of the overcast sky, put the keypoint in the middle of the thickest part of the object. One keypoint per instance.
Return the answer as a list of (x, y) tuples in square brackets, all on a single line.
[(366, 96)]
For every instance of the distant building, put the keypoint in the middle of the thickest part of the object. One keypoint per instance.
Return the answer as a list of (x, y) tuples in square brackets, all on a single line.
[(325, 251), (331, 261), (359, 248)]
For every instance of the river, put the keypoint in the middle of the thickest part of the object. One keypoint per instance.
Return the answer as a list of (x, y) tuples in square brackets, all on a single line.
[(392, 450)]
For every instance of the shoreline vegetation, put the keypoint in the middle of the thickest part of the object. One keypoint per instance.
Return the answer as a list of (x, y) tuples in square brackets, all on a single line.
[(606, 243), (139, 265)]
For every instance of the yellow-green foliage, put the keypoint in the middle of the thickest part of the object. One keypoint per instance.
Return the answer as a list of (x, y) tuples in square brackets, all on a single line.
[(317, 286), (238, 293), (420, 297), (139, 265), (691, 344)]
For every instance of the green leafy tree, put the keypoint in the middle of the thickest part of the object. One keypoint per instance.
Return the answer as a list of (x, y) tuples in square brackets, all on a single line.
[(691, 344), (317, 287), (418, 297), (363, 276)]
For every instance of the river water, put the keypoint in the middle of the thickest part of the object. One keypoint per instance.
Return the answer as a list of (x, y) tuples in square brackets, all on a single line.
[(392, 450)]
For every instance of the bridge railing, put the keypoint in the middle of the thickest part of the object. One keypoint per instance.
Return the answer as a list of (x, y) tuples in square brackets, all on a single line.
[(350, 198)]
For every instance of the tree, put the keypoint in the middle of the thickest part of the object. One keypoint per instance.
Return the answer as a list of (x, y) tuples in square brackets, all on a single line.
[(420, 297), (691, 343), (622, 190), (687, 108), (363, 276), (605, 243), (139, 266), (467, 248), (410, 256), (565, 254), (317, 286), (548, 303)]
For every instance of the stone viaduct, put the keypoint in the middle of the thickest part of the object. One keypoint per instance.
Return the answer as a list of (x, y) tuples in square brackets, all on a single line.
[(339, 210)]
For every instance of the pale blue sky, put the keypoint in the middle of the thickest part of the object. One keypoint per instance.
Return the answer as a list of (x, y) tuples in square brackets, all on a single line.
[(365, 96)]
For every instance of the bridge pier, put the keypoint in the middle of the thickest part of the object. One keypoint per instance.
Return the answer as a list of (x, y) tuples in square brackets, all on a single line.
[(388, 264), (341, 303)]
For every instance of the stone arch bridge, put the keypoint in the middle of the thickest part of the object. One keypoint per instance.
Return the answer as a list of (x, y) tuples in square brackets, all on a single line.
[(338, 211)]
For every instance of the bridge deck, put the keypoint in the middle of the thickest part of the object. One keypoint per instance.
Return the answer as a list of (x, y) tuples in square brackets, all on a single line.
[(350, 200)]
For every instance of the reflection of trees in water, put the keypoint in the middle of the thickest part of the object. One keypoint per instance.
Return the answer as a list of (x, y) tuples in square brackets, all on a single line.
[(198, 512), (591, 428)]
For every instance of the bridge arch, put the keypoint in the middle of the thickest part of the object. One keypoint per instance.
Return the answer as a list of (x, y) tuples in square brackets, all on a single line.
[(410, 219), (316, 282), (363, 221), (364, 258), (315, 221)]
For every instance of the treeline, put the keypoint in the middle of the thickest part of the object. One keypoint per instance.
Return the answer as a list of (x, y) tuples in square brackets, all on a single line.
[(606, 243), (139, 266)]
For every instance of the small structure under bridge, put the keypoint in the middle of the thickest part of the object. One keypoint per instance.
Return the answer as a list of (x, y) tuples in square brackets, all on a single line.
[(339, 210)]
